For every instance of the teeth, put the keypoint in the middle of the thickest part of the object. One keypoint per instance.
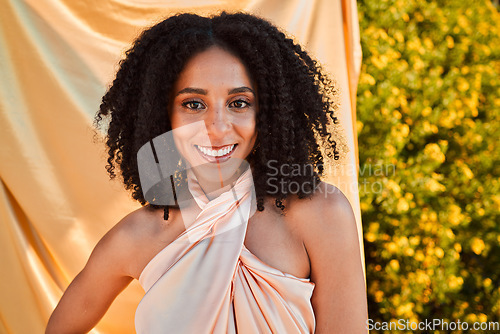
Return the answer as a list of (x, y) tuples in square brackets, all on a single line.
[(215, 153)]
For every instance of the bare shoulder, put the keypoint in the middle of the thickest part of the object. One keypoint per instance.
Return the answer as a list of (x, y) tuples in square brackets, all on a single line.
[(131, 229), (135, 226), (108, 271), (134, 240), (327, 212), (328, 229)]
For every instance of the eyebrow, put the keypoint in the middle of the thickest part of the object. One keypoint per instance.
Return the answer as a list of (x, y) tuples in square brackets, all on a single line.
[(243, 89), (191, 90)]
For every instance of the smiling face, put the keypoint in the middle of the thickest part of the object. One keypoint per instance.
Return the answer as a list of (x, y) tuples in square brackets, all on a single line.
[(215, 92)]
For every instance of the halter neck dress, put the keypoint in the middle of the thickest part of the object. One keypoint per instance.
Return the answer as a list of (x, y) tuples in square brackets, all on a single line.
[(207, 281)]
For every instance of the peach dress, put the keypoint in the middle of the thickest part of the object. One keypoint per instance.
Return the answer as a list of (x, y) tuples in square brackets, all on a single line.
[(207, 281)]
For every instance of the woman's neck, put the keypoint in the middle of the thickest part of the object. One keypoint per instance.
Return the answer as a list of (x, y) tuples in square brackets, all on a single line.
[(214, 186)]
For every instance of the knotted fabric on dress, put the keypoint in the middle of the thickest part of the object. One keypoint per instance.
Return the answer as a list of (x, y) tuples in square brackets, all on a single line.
[(207, 281)]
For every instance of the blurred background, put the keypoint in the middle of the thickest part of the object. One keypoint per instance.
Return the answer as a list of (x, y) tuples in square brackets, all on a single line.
[(428, 108)]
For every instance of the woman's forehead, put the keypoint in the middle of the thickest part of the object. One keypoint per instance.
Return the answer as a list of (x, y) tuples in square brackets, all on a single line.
[(214, 68)]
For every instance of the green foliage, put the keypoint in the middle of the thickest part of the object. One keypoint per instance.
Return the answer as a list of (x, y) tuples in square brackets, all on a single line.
[(428, 120)]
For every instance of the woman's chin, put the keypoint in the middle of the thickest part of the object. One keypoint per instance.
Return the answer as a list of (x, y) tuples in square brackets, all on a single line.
[(220, 172)]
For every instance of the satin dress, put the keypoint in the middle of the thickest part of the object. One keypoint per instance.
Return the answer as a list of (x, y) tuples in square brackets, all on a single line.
[(207, 281)]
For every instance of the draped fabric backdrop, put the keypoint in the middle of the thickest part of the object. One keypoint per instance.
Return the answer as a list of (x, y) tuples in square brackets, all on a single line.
[(56, 59)]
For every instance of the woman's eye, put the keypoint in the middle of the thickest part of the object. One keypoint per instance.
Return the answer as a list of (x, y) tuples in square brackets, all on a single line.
[(239, 104), (196, 105)]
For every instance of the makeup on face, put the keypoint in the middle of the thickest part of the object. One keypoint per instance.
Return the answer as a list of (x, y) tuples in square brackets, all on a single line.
[(215, 90)]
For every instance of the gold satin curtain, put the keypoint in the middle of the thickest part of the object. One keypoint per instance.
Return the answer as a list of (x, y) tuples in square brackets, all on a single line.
[(56, 202)]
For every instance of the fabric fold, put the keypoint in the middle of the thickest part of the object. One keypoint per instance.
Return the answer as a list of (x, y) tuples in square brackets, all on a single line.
[(207, 281)]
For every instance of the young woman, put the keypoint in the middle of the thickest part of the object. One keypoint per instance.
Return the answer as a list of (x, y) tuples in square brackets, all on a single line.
[(245, 106)]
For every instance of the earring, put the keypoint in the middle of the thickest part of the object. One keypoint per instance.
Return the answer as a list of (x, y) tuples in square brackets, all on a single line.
[(255, 148)]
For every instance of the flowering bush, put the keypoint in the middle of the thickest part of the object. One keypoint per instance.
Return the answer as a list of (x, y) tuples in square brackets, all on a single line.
[(428, 104)]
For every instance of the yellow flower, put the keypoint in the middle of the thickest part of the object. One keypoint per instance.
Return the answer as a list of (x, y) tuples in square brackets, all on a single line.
[(394, 264), (359, 126), (402, 242), (433, 151), (455, 282), (433, 216), (402, 205), (403, 102), (471, 317), (426, 111), (374, 226), (379, 295), (418, 64), (399, 36), (415, 240), (379, 62), (455, 214), (467, 172), (392, 247), (463, 85), (403, 310), (370, 237), (450, 42), (463, 22), (390, 150), (405, 130), (422, 277), (434, 186), (449, 233), (429, 251), (367, 78), (477, 245), (428, 43), (391, 185), (409, 251), (427, 126)]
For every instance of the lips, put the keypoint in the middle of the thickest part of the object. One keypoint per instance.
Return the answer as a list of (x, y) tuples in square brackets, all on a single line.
[(216, 153)]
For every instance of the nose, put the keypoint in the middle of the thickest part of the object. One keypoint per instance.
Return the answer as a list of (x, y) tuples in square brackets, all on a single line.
[(218, 122)]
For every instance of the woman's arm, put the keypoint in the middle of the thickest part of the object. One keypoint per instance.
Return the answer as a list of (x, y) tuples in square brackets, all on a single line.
[(93, 290), (331, 241)]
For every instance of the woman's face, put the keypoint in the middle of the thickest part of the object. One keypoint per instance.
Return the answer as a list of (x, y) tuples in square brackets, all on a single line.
[(215, 95)]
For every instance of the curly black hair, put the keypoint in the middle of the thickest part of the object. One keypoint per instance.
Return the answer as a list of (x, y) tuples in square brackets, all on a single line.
[(296, 99)]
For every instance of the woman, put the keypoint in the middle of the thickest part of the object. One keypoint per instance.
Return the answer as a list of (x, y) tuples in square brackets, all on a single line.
[(234, 98)]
